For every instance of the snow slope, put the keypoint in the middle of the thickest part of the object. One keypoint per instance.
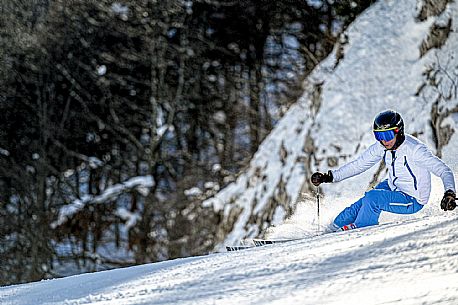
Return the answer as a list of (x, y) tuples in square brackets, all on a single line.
[(411, 262)]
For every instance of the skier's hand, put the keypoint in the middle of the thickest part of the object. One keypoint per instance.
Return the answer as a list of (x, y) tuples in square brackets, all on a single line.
[(448, 202), (318, 178)]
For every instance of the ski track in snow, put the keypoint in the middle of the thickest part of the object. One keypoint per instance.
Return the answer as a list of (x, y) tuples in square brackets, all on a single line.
[(410, 262)]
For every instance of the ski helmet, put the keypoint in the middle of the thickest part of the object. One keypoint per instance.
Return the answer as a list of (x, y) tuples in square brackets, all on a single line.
[(387, 125)]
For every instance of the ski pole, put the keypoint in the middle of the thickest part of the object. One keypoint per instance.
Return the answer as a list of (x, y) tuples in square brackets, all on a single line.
[(318, 208)]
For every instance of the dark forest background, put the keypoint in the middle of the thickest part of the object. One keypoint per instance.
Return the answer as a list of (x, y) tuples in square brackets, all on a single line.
[(180, 93)]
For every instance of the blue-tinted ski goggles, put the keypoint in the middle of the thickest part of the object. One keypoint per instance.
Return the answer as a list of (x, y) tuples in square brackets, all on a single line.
[(386, 134)]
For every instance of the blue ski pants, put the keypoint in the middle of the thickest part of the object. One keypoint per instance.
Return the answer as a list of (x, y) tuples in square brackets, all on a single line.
[(366, 211)]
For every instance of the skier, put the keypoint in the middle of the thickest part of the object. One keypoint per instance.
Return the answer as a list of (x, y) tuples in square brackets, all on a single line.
[(408, 186)]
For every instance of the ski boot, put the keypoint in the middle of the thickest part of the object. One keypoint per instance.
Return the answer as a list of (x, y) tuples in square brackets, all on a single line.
[(348, 227)]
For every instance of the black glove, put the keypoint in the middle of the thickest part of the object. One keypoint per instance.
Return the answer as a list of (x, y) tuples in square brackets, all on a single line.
[(318, 178), (448, 202)]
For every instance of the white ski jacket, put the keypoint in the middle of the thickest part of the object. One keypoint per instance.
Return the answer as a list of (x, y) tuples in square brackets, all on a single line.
[(409, 168)]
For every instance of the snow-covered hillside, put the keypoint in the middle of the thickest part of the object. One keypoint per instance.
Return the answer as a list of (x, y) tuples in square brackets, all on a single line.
[(414, 262), (387, 59)]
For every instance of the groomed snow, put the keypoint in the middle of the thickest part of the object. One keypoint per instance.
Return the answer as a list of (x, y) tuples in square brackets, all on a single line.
[(409, 262)]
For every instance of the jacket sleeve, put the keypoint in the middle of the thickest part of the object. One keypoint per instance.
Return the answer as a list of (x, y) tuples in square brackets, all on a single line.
[(366, 160), (433, 164)]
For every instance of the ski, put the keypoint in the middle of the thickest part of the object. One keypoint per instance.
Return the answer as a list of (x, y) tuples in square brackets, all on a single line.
[(264, 242), (259, 243), (237, 248)]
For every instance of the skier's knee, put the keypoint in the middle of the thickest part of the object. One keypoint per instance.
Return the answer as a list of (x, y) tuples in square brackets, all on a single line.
[(371, 197)]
